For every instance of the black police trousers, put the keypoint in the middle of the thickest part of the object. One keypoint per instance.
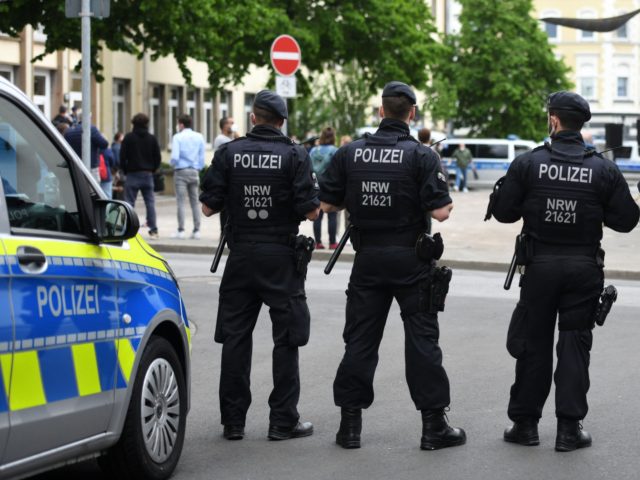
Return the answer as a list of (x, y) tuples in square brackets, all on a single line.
[(379, 275), (553, 286), (258, 273)]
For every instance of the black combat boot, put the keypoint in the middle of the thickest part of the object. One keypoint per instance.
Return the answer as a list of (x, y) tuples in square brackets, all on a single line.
[(350, 427), (524, 432), (571, 436), (436, 432)]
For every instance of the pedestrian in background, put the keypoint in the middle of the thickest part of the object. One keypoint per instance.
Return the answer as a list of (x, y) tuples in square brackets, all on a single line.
[(387, 202), (73, 136), (118, 176), (107, 167), (227, 126), (62, 117), (139, 159), (187, 159), (266, 265), (321, 156), (463, 158), (564, 193)]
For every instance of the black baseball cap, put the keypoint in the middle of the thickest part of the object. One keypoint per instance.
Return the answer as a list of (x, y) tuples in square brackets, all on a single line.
[(398, 89), (272, 102), (569, 101)]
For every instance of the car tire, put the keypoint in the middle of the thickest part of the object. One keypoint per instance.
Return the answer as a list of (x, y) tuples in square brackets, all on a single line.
[(153, 433)]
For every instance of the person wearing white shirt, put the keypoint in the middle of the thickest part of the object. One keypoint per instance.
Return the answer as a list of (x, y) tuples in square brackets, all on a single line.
[(226, 132)]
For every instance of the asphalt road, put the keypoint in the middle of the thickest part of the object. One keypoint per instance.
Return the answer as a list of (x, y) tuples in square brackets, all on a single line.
[(473, 332)]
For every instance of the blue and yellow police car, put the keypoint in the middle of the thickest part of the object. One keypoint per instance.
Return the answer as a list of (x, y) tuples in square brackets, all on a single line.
[(94, 338)]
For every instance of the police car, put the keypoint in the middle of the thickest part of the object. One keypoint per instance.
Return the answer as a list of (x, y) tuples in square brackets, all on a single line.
[(94, 338)]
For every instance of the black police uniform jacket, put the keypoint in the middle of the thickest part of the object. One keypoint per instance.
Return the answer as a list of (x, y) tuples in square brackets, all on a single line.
[(387, 181), (565, 193), (264, 181)]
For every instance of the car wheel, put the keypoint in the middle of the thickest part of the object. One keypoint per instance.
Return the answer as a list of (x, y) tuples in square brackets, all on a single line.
[(153, 433)]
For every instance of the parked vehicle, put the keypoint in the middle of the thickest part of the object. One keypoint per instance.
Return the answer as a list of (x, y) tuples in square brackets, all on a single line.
[(491, 157), (94, 338)]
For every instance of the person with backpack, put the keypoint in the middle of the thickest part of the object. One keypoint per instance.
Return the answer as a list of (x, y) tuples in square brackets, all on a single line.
[(321, 156)]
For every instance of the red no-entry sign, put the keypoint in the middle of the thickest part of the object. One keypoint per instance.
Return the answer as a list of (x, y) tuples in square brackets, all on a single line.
[(285, 55)]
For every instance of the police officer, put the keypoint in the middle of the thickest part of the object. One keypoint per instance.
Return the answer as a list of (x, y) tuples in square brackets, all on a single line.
[(265, 183), (564, 193), (387, 181)]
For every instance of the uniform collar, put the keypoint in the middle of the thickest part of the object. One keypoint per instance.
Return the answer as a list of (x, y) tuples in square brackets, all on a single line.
[(266, 131), (567, 146), (391, 126)]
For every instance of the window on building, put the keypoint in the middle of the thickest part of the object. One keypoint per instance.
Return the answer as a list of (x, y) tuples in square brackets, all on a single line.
[(192, 108), (173, 104), (622, 32), (225, 107), (622, 75), (155, 111), (622, 87), (585, 34), (208, 117), (75, 91), (587, 87), (248, 104), (6, 71), (119, 101), (586, 76), (552, 31), (42, 91)]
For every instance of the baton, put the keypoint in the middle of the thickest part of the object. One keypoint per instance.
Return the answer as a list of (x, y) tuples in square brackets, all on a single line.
[(338, 250), (219, 250), (435, 143), (510, 273)]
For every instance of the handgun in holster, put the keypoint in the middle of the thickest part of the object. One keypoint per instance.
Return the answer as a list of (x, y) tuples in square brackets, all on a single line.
[(607, 299), (303, 247), (438, 289)]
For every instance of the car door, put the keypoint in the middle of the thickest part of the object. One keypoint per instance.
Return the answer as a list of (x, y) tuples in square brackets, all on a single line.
[(62, 294), (6, 331)]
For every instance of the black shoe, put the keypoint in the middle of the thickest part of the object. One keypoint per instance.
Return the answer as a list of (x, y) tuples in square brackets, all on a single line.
[(277, 432), (571, 436), (523, 432), (436, 432), (233, 432), (350, 427)]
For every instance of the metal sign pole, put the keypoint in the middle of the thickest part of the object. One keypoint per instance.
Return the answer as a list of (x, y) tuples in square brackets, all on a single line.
[(85, 15)]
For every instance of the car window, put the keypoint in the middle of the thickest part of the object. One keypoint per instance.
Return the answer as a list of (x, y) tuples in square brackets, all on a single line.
[(492, 151), (520, 149), (36, 177)]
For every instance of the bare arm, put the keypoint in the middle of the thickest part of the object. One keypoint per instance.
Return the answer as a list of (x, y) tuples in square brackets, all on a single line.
[(442, 213)]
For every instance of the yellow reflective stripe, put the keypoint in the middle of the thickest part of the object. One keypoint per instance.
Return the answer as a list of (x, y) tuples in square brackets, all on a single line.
[(86, 366), (137, 254), (188, 331), (5, 363), (126, 357), (26, 382), (58, 248)]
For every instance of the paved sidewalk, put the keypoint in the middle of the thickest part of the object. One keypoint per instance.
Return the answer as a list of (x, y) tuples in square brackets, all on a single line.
[(469, 241)]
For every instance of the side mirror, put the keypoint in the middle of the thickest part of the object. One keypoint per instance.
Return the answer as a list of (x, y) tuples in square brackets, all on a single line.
[(115, 220)]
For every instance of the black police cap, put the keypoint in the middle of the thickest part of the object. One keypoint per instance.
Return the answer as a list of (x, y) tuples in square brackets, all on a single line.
[(569, 101), (272, 102), (397, 89)]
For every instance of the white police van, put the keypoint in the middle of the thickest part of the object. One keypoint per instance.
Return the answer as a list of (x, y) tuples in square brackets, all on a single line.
[(94, 338), (491, 157)]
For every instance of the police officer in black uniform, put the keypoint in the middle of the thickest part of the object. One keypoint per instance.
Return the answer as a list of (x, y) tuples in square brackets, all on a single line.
[(564, 193), (265, 183), (387, 181)]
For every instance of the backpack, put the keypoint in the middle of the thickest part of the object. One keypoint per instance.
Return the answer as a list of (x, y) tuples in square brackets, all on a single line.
[(102, 169)]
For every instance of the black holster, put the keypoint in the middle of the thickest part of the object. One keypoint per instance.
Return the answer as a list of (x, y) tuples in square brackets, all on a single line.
[(438, 287), (303, 248)]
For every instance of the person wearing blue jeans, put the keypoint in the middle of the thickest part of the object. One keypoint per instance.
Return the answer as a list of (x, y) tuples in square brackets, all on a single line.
[(139, 158)]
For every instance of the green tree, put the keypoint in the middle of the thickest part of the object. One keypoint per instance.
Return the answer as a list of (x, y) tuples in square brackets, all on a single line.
[(497, 72), (390, 39)]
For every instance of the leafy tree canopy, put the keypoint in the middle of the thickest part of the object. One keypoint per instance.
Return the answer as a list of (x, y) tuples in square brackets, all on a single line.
[(390, 39), (498, 71)]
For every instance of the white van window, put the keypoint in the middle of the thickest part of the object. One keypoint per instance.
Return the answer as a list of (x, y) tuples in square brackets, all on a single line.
[(36, 180), (491, 151), (520, 149)]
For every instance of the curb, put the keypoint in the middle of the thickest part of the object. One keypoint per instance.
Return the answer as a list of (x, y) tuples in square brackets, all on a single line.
[(324, 255)]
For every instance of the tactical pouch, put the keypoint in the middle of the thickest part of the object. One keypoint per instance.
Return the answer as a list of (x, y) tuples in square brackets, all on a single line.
[(303, 248), (518, 331), (429, 247), (493, 198), (600, 257), (438, 287)]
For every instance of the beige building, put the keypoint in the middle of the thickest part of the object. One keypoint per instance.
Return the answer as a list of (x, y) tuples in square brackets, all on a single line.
[(130, 86)]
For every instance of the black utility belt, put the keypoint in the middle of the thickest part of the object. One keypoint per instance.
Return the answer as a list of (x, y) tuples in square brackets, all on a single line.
[(568, 250), (287, 240), (386, 240)]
